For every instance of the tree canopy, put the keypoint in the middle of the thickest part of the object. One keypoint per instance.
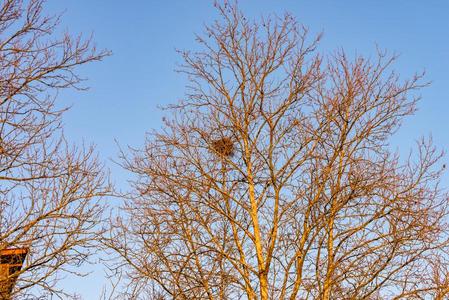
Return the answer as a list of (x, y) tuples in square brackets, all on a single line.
[(274, 178)]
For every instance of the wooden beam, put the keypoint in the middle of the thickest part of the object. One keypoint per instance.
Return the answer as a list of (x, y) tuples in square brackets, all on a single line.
[(11, 261)]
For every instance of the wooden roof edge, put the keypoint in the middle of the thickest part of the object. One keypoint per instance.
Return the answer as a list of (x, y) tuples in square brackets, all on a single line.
[(13, 251)]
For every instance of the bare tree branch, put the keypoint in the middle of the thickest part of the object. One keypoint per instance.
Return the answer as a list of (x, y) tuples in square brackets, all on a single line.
[(274, 178)]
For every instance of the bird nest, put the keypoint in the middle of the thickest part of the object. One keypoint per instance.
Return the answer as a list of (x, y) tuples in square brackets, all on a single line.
[(223, 147)]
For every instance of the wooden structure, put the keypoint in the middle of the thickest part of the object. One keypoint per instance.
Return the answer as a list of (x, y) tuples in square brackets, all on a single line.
[(11, 261)]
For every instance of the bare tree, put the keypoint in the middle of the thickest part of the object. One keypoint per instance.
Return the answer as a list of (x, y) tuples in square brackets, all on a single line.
[(274, 178), (49, 190)]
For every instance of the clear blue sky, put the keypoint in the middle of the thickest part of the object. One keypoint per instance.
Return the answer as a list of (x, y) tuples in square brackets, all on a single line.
[(127, 87)]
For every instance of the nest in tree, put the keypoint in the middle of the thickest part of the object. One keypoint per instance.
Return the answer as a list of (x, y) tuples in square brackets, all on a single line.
[(223, 147)]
